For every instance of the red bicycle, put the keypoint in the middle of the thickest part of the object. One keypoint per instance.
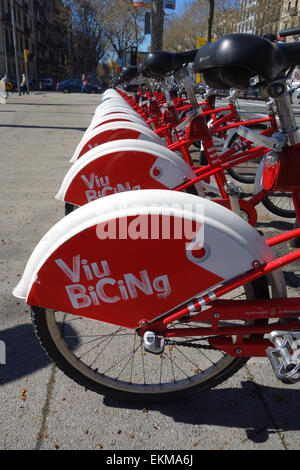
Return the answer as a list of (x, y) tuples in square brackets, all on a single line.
[(117, 164), (153, 295), (223, 121)]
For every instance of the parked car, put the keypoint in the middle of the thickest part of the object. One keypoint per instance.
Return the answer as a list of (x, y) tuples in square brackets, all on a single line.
[(46, 84), (99, 84), (252, 93), (74, 86), (222, 93), (199, 89)]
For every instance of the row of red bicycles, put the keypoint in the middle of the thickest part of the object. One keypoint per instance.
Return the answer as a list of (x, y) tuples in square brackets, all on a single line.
[(156, 283)]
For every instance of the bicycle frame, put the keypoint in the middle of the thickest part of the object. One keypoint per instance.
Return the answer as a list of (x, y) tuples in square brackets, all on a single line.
[(227, 310), (185, 140), (215, 311), (218, 164), (207, 307)]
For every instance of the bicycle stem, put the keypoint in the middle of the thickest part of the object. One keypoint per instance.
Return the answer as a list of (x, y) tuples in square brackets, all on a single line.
[(278, 90)]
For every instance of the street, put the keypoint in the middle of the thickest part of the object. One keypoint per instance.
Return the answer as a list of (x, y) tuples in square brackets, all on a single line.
[(41, 408), (255, 109)]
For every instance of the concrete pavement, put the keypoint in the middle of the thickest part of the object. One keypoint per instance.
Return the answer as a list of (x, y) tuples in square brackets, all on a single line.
[(43, 409)]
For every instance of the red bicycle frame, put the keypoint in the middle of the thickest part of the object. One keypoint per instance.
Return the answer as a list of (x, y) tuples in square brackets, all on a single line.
[(229, 310), (197, 130)]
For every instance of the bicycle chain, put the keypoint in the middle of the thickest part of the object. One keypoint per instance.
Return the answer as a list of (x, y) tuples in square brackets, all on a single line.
[(189, 345)]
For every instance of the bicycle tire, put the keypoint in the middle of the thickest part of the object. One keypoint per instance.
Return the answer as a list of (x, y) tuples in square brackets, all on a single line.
[(280, 204), (69, 208), (239, 172), (54, 338)]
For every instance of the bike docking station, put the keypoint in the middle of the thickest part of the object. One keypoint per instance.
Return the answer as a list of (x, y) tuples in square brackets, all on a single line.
[(156, 268)]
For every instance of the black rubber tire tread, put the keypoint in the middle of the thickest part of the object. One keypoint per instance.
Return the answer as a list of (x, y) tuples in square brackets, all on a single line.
[(286, 213), (38, 314), (69, 208)]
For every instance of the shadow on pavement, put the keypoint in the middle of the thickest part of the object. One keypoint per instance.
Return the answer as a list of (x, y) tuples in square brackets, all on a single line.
[(24, 354), (291, 279), (24, 103), (44, 127), (276, 224), (243, 408)]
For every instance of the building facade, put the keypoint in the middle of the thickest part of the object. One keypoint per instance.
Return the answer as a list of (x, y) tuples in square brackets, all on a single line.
[(226, 23), (248, 14), (260, 17), (37, 29), (290, 16), (268, 17)]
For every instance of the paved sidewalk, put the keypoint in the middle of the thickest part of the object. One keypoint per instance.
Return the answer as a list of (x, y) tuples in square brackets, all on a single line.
[(40, 407)]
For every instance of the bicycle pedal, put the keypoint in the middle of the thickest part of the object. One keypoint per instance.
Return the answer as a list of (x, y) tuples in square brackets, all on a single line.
[(285, 357)]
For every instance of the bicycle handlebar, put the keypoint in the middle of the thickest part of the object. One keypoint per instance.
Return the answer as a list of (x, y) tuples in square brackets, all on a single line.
[(289, 32)]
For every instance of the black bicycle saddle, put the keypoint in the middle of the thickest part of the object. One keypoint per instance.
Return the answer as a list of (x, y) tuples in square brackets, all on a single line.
[(128, 73), (131, 87), (233, 59), (156, 64)]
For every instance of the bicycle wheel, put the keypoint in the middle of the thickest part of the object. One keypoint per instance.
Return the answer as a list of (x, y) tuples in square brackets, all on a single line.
[(111, 360), (280, 204), (69, 208), (245, 172)]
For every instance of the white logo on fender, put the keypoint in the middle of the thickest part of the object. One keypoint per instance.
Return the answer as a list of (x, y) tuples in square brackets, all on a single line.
[(103, 187), (107, 289)]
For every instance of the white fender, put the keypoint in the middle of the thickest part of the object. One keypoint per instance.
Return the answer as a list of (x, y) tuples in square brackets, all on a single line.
[(173, 169), (110, 99), (116, 130), (228, 139), (107, 98), (116, 110), (231, 246), (114, 117), (112, 102), (110, 92)]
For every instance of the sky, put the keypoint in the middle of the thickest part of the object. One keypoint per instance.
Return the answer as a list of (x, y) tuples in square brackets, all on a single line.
[(180, 5)]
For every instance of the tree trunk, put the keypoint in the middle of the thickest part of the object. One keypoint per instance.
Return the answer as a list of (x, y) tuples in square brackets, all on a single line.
[(210, 19), (157, 25)]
